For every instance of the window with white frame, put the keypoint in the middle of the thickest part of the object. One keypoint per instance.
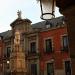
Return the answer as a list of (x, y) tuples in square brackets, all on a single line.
[(48, 45), (65, 43), (50, 69), (67, 68)]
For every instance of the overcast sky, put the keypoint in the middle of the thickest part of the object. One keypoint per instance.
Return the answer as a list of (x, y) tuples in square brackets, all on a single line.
[(8, 12)]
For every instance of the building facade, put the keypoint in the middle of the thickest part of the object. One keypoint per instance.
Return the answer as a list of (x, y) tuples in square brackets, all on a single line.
[(44, 46)]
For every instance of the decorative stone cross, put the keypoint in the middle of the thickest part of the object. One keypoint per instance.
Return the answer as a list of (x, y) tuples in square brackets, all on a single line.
[(19, 14)]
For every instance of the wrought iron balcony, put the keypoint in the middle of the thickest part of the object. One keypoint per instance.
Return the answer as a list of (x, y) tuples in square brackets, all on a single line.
[(30, 54), (49, 51), (65, 49)]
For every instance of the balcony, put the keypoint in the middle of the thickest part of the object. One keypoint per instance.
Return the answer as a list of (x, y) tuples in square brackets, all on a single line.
[(6, 56), (65, 49), (49, 50), (32, 55)]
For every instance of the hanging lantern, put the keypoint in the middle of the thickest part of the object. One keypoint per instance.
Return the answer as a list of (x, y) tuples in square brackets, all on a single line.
[(47, 9)]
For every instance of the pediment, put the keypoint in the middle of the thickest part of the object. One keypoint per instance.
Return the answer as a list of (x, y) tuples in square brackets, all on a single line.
[(19, 21)]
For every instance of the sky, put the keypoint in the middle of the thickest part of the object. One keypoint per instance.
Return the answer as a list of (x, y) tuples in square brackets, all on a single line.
[(8, 12)]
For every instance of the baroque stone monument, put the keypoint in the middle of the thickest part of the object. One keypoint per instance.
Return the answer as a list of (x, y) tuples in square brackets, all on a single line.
[(18, 63)]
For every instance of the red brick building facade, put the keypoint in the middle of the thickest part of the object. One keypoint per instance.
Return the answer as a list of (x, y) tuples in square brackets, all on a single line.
[(58, 53)]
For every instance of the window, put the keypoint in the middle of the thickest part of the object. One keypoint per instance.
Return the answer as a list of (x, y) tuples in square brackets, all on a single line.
[(0, 37), (48, 43), (50, 69), (67, 68), (33, 47), (63, 22), (33, 69), (48, 26), (65, 43), (8, 51)]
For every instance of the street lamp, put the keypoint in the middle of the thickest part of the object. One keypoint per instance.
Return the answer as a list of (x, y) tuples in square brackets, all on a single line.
[(47, 9), (8, 62)]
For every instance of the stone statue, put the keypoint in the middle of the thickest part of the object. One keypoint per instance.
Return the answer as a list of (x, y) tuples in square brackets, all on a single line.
[(19, 14), (17, 38)]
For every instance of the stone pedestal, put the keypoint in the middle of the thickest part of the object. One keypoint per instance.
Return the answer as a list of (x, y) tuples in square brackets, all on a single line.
[(18, 64)]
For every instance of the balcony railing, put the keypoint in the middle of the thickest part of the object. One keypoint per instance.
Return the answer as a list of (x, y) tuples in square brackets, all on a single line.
[(49, 51), (65, 49), (32, 54)]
